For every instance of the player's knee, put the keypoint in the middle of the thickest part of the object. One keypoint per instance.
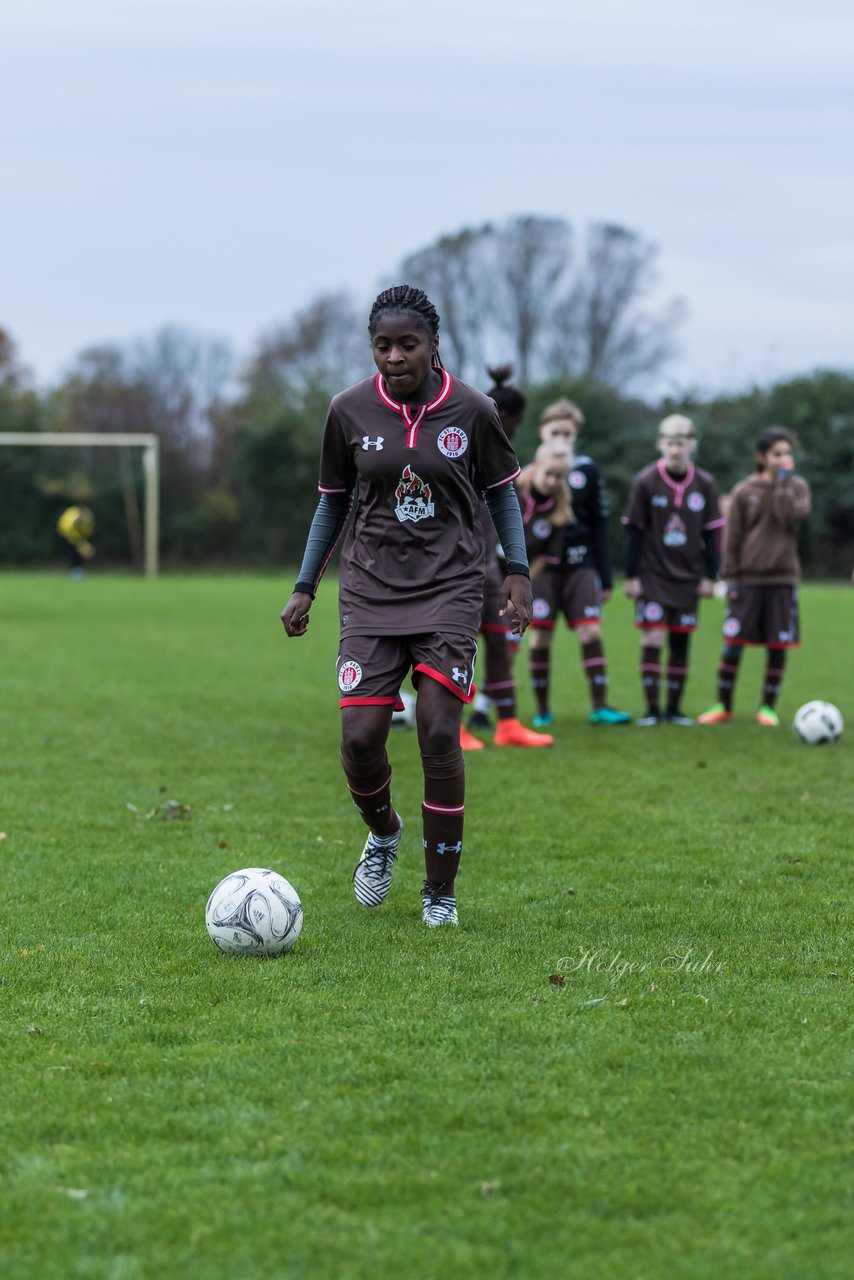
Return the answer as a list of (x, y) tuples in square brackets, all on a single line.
[(731, 653), (362, 744), (539, 638), (653, 638), (587, 631)]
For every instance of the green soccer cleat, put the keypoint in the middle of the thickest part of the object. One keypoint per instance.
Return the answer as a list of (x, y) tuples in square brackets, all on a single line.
[(768, 717), (608, 715)]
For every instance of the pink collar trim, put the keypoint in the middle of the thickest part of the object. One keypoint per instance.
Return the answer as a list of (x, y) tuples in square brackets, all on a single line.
[(678, 486)]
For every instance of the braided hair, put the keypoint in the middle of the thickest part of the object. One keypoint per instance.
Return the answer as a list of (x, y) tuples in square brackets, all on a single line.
[(405, 297)]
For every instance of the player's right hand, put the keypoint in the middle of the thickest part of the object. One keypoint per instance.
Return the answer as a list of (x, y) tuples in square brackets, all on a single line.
[(632, 588), (295, 614)]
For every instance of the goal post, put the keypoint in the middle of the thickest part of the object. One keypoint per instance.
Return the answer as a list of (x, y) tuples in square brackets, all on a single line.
[(150, 445)]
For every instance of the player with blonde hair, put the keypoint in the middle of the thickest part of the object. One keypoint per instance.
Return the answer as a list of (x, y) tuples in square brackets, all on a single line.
[(672, 519), (584, 575)]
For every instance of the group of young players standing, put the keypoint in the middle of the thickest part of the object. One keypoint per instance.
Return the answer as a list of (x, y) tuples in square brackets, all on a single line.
[(425, 465)]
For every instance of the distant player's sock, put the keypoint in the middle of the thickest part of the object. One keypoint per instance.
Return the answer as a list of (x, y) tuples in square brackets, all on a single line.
[(728, 673), (443, 812), (540, 668), (650, 670), (596, 671), (775, 667), (369, 782), (502, 695), (677, 670)]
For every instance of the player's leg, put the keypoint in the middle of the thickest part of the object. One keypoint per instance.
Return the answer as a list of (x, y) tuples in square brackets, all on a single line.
[(443, 808), (500, 687), (775, 668), (366, 709), (540, 668), (581, 602), (677, 674), (595, 668), (721, 711), (782, 632), (652, 646)]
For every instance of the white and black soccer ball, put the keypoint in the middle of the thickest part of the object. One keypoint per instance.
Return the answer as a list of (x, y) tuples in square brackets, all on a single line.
[(254, 912), (818, 722), (404, 719)]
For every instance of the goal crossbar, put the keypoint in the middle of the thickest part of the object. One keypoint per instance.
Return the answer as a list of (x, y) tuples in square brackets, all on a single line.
[(150, 445)]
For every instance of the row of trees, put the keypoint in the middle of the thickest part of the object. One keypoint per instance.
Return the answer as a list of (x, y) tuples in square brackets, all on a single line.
[(239, 446)]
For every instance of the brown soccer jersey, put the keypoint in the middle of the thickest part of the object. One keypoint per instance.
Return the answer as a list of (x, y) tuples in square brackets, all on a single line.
[(674, 514), (413, 558)]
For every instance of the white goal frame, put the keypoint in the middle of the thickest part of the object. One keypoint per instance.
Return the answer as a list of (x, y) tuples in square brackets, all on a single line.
[(150, 445)]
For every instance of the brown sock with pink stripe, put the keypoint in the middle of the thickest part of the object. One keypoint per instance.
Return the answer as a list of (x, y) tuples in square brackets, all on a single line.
[(443, 812), (596, 671), (540, 669), (650, 669), (369, 782), (775, 667)]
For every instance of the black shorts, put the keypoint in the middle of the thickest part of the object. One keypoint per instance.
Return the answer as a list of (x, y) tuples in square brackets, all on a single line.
[(652, 616), (763, 615), (371, 669), (577, 595)]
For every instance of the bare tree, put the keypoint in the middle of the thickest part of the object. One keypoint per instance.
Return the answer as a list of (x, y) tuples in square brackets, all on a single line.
[(600, 328), (457, 273), (532, 262), (323, 348)]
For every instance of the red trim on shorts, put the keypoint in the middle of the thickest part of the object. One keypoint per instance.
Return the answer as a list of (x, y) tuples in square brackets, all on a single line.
[(761, 644), (572, 623), (542, 626), (371, 702), (448, 684), (494, 626), (662, 626)]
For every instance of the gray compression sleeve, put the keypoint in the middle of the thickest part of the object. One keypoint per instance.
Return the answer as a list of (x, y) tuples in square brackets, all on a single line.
[(503, 504), (329, 519)]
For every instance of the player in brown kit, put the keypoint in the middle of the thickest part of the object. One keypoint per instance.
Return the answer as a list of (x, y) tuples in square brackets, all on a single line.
[(761, 569), (499, 685), (410, 450), (585, 576), (672, 520)]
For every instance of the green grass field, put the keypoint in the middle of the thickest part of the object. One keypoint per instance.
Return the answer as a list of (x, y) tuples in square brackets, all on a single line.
[(632, 1060)]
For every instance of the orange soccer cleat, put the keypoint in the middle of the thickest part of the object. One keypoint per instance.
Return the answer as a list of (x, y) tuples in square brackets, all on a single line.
[(510, 733), (468, 741), (717, 714)]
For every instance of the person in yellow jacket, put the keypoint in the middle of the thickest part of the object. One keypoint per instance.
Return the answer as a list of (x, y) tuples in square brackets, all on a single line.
[(76, 525)]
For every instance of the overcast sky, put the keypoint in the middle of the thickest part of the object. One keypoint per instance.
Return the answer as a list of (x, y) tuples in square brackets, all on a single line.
[(218, 163)]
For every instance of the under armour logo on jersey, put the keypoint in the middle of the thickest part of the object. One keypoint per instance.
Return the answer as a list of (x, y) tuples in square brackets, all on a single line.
[(368, 443), (449, 848), (460, 673)]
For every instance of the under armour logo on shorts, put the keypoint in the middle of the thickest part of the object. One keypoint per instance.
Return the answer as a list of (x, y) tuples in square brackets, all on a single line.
[(368, 443), (459, 673)]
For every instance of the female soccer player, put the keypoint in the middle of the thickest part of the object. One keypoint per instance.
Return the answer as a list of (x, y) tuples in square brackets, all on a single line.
[(672, 520), (410, 450), (762, 569), (585, 576), (499, 686)]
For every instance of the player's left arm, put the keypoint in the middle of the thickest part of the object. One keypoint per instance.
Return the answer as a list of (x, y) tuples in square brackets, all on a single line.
[(503, 505)]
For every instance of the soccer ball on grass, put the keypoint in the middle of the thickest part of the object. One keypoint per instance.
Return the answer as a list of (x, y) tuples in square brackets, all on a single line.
[(254, 912), (818, 722)]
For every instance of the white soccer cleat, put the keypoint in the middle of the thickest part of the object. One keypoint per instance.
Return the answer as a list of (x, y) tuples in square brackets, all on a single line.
[(373, 871), (437, 908)]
